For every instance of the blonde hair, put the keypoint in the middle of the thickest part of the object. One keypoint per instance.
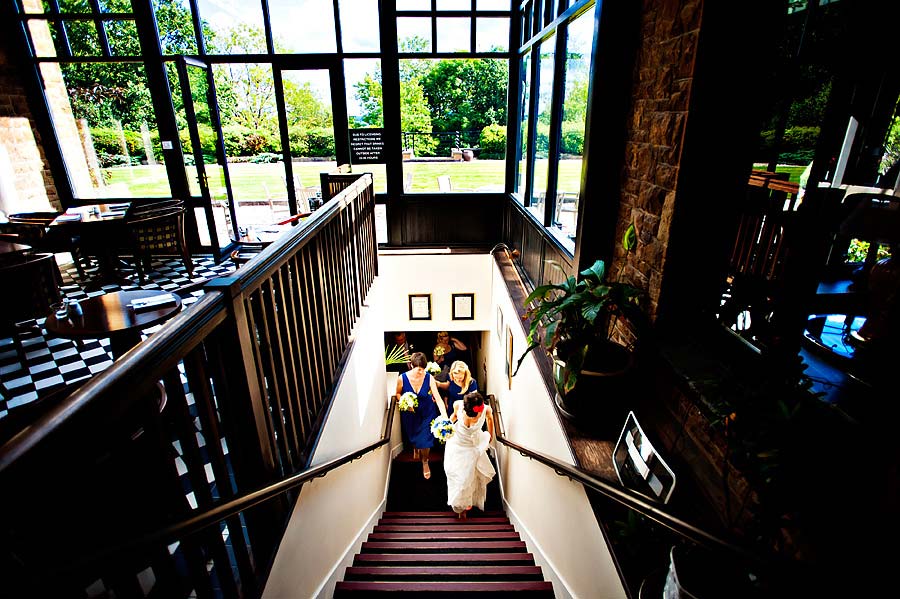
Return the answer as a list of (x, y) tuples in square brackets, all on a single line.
[(457, 366)]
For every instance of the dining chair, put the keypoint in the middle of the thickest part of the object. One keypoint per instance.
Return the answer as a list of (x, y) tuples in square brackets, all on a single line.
[(33, 287), (158, 232), (33, 228)]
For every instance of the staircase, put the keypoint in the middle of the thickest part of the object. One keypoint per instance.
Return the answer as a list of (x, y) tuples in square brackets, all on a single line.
[(435, 552)]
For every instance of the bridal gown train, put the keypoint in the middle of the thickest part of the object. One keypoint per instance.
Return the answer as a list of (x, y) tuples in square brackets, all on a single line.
[(467, 465)]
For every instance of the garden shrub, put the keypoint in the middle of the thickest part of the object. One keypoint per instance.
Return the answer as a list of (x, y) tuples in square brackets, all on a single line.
[(572, 141), (265, 157), (492, 141), (320, 142)]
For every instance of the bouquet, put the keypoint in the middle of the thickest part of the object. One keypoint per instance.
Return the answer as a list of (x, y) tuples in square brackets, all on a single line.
[(432, 368), (442, 429), (409, 401), (439, 350)]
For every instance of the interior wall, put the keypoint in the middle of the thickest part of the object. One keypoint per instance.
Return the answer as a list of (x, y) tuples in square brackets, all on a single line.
[(25, 180), (334, 514), (552, 513), (439, 275)]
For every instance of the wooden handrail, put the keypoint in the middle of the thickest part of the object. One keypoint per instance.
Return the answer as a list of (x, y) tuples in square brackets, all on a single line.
[(196, 523), (637, 503)]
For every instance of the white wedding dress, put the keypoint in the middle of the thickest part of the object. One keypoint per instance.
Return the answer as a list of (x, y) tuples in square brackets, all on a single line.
[(467, 465)]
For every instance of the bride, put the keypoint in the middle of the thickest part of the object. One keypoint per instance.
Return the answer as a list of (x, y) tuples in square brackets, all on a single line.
[(467, 465)]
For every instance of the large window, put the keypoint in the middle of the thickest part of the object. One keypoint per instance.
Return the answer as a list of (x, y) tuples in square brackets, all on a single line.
[(256, 87), (453, 96), (549, 168), (579, 38)]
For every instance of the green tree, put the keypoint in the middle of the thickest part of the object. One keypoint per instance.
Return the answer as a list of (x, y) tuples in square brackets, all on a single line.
[(465, 94), (415, 115), (246, 91)]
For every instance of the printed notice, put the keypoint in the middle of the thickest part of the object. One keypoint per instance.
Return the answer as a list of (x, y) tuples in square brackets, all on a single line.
[(366, 146)]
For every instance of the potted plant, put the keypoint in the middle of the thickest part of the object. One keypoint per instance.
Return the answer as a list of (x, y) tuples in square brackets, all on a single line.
[(590, 367)]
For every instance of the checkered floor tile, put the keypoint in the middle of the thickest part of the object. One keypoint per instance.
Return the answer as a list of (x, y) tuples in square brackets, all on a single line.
[(53, 362)]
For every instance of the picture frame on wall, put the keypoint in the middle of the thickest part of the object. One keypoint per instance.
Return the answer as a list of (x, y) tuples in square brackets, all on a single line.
[(510, 362), (499, 324), (463, 306), (420, 306)]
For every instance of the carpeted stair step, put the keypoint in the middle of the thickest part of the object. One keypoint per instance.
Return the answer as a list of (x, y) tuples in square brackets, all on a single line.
[(471, 589), (454, 573), (422, 553)]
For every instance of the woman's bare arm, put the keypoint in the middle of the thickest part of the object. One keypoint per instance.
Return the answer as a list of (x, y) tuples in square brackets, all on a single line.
[(489, 419), (436, 396), (399, 385)]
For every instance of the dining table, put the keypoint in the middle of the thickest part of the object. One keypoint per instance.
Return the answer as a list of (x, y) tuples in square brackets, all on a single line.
[(10, 251), (120, 316), (102, 231)]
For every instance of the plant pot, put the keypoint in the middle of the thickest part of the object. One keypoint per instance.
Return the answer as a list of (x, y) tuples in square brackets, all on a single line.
[(600, 400)]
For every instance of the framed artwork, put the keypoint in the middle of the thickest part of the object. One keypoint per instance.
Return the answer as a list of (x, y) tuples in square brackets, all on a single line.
[(509, 356), (420, 306), (499, 324), (463, 306)]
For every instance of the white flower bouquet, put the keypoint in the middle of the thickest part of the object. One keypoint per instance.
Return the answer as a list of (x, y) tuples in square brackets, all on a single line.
[(432, 368), (442, 429), (409, 401)]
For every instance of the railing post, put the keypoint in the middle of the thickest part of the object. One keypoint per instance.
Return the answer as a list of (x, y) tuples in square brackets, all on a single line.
[(250, 450)]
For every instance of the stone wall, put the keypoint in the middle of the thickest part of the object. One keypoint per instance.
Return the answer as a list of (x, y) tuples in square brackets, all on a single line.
[(661, 89), (21, 153)]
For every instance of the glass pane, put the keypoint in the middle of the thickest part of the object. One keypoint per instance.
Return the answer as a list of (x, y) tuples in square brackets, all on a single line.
[(123, 39), (104, 119), (123, 6), (74, 6), (83, 39), (364, 106), (359, 25), (577, 78), (454, 35), (35, 7), (303, 27), (307, 98), (522, 150), (491, 35), (414, 5), (493, 4), (453, 136), (176, 29), (231, 27), (454, 4), (542, 126), (414, 34), (44, 39), (249, 117)]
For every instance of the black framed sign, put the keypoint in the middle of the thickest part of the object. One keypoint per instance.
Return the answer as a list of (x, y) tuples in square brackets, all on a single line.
[(420, 306), (463, 306), (367, 146)]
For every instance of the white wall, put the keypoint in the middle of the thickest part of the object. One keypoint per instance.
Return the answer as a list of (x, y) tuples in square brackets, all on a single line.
[(334, 514), (441, 275), (552, 513)]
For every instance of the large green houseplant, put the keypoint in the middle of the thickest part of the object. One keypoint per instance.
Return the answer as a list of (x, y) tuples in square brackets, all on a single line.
[(574, 322)]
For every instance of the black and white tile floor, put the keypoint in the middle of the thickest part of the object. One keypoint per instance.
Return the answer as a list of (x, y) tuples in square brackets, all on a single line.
[(52, 362)]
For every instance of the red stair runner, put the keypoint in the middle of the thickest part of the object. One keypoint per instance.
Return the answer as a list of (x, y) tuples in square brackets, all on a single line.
[(419, 553)]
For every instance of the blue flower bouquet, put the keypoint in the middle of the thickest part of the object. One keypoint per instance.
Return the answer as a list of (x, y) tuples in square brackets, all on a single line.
[(442, 429)]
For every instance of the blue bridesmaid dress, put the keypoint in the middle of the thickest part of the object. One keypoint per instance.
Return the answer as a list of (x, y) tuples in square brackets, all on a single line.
[(417, 425), (455, 392)]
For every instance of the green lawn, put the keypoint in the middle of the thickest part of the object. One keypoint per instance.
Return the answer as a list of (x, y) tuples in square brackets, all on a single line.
[(794, 170), (266, 181)]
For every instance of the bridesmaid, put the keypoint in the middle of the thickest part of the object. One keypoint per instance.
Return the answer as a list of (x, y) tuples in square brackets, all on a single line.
[(460, 382), (417, 424)]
